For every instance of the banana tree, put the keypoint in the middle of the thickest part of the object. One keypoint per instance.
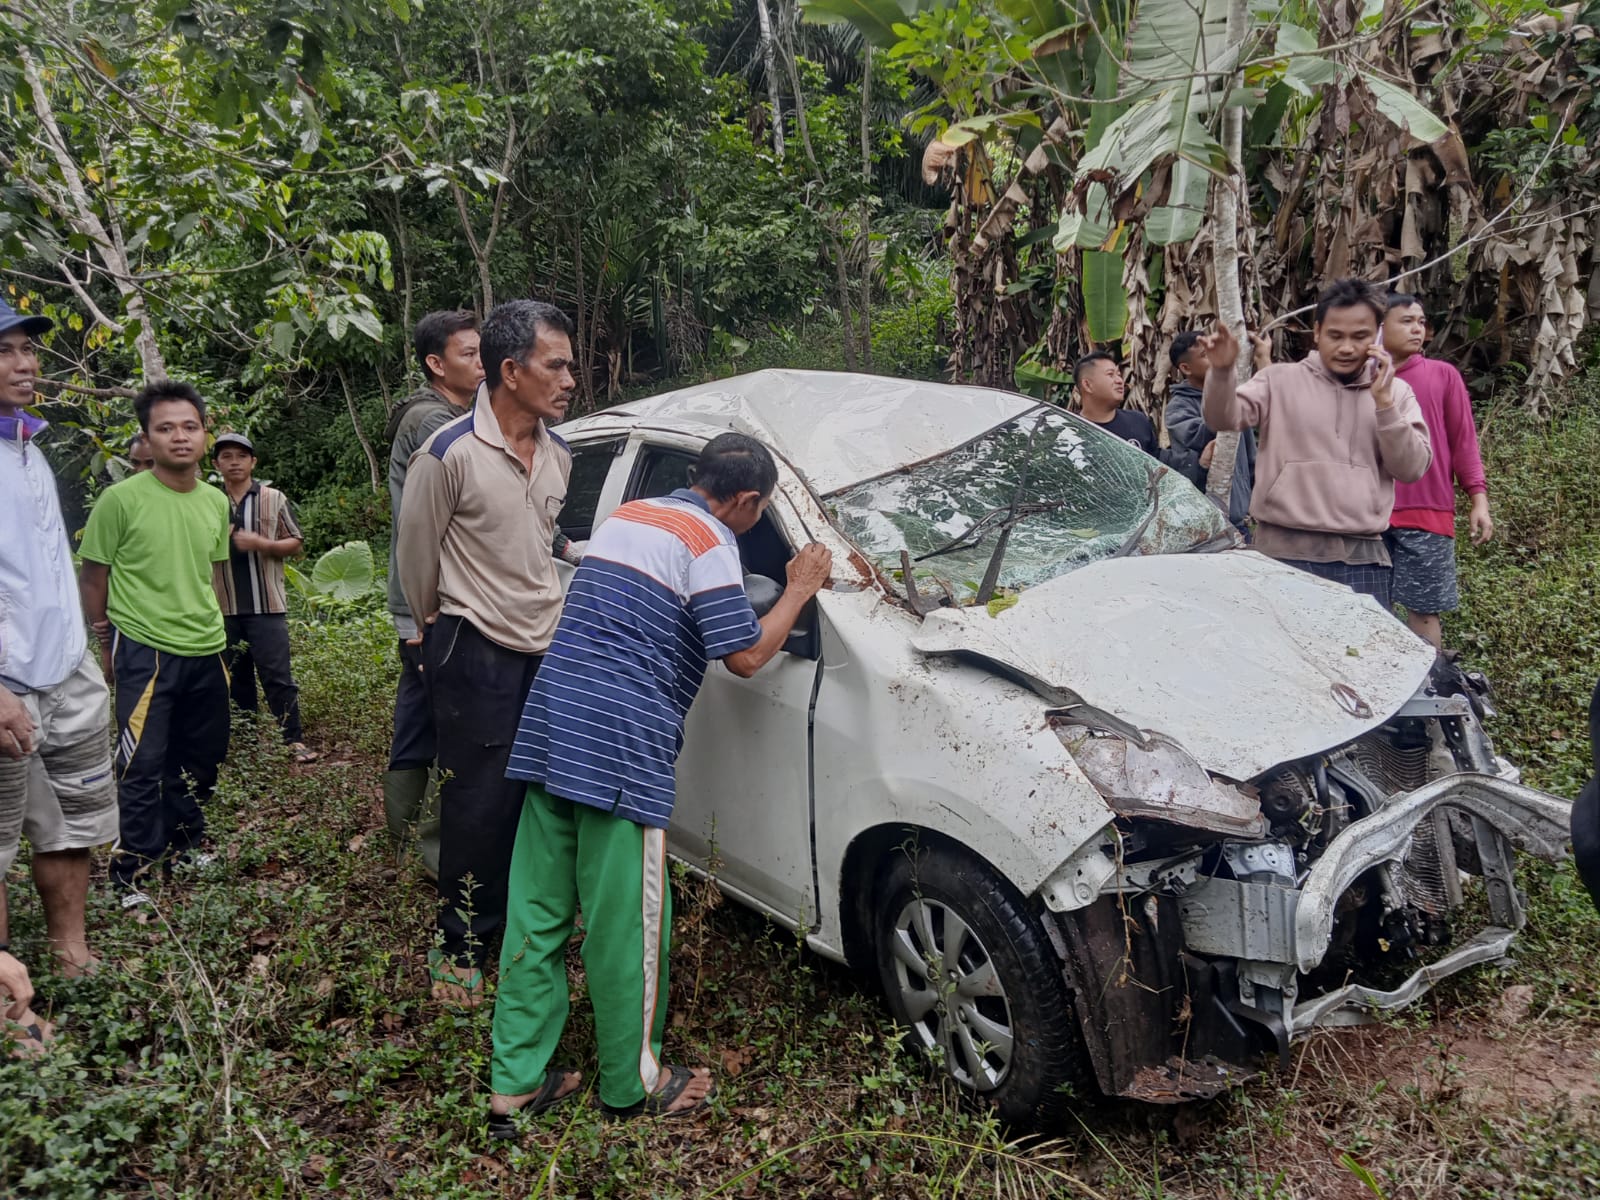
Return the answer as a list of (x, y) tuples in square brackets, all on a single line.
[(1139, 90)]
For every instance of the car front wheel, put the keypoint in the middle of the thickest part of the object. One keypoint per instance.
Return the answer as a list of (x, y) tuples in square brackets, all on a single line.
[(969, 972)]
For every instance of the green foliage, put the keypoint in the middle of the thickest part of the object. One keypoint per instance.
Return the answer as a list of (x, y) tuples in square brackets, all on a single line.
[(1535, 590), (338, 583), (345, 572), (335, 512)]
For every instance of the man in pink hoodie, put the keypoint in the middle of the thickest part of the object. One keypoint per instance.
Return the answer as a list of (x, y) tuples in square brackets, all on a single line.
[(1422, 531), (1337, 430)]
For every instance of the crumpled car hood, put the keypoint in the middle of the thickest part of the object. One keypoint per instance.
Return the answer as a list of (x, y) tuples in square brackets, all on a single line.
[(1246, 662)]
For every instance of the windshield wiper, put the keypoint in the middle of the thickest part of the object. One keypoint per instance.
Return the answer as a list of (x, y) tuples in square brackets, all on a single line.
[(999, 518), (1153, 494), (991, 573)]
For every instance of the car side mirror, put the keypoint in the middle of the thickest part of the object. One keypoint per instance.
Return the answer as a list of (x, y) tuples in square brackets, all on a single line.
[(762, 592), (802, 641)]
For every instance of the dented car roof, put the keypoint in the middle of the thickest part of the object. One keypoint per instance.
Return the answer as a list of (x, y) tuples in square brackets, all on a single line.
[(875, 424)]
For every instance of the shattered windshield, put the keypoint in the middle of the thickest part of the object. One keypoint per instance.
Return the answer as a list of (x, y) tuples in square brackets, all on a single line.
[(1071, 494)]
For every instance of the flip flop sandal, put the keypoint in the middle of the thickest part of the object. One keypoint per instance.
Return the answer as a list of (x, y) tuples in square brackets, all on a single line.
[(659, 1103), (503, 1125), (33, 1043), (439, 970)]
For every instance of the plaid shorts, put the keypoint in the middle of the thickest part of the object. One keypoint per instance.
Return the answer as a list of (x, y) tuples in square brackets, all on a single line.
[(1424, 570), (1365, 579), (62, 796)]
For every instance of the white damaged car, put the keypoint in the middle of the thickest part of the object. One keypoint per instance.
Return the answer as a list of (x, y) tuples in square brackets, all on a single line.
[(1102, 798)]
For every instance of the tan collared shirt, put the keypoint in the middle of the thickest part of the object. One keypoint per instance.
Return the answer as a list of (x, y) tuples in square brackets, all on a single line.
[(475, 530)]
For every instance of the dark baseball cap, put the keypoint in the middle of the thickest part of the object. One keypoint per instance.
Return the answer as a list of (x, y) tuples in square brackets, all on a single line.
[(232, 439), (11, 319)]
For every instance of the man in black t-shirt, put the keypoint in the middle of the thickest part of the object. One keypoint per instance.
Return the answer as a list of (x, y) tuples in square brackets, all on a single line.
[(1100, 390)]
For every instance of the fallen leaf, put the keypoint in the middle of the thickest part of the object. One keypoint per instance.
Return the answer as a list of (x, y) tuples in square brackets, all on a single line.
[(356, 843)]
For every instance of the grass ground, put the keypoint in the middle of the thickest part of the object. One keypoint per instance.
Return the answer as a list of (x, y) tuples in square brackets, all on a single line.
[(267, 1031)]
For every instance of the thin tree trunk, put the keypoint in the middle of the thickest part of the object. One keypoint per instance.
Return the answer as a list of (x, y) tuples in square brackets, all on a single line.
[(480, 257), (80, 213), (1225, 248), (865, 219), (361, 434), (830, 223), (774, 93)]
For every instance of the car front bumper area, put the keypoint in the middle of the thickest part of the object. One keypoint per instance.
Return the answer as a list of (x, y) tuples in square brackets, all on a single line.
[(1497, 811)]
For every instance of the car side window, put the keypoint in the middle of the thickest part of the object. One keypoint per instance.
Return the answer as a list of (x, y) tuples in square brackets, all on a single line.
[(660, 473), (590, 466)]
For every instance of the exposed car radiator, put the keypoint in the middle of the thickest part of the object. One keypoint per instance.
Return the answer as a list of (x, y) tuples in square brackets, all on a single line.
[(1430, 867), (1393, 768)]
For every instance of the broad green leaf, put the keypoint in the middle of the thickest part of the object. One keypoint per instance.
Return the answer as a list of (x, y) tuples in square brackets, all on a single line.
[(1105, 303), (872, 19), (1306, 75), (1035, 18), (298, 581), (1292, 39), (1404, 109), (1035, 378), (345, 572), (1178, 220)]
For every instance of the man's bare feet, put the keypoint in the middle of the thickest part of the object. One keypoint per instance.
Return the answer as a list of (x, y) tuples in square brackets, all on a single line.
[(504, 1106), (679, 1092), (76, 961), (694, 1093), (29, 1035), (453, 983)]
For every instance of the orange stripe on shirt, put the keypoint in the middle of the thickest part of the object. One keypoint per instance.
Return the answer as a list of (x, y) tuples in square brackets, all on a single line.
[(687, 529)]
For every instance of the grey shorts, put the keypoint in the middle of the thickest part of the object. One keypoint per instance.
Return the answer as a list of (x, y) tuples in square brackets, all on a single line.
[(62, 796), (1424, 570)]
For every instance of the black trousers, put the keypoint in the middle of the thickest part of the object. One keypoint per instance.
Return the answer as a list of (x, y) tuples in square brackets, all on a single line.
[(476, 689), (258, 643), (172, 735), (413, 744)]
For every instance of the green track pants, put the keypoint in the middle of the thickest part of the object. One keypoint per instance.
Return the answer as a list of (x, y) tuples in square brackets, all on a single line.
[(569, 856)]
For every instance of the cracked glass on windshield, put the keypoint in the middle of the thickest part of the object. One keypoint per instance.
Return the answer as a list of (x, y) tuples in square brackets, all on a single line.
[(1080, 493)]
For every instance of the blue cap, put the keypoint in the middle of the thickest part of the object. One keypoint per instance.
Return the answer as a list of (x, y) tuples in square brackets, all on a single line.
[(32, 326)]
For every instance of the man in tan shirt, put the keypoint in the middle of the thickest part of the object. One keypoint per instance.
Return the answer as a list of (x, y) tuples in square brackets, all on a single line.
[(474, 553)]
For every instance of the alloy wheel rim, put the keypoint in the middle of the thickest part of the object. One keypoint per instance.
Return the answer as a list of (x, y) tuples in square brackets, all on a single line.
[(951, 993)]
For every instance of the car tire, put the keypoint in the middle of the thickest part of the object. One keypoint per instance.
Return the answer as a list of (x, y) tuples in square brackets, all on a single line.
[(999, 1021)]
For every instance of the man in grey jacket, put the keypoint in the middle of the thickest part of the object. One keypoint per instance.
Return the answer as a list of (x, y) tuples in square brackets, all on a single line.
[(1187, 428), (447, 349)]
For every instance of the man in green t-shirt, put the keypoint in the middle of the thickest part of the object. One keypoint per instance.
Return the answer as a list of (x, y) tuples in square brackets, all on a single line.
[(147, 555)]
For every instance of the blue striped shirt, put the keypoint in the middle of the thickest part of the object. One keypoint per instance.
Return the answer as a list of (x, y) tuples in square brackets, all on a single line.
[(660, 592)]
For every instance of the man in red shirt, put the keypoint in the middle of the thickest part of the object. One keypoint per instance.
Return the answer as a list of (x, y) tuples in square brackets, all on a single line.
[(1421, 535)]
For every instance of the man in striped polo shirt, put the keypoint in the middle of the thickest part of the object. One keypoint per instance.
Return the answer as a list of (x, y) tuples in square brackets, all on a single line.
[(660, 592), (255, 606)]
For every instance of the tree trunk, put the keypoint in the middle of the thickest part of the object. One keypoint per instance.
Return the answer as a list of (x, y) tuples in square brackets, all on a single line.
[(80, 213), (770, 58), (830, 223), (361, 434), (1225, 249), (865, 219)]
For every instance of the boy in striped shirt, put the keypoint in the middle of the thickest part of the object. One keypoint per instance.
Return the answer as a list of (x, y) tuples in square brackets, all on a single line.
[(659, 594)]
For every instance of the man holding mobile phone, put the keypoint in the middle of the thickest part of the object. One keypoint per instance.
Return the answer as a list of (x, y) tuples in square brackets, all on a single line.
[(1338, 429)]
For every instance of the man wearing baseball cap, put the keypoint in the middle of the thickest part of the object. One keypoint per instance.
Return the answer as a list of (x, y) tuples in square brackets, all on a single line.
[(250, 587), (55, 747)]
